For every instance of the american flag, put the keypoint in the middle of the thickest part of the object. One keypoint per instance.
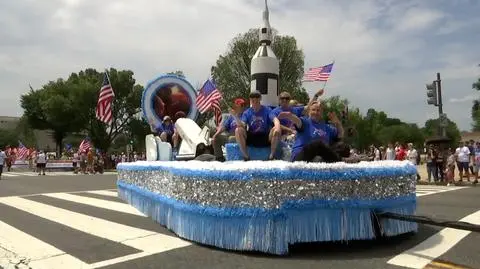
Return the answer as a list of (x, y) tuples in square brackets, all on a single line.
[(321, 73), (84, 145), (22, 152), (105, 100), (218, 116), (209, 96)]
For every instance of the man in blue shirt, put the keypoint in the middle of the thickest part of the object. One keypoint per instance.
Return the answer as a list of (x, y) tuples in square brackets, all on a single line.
[(284, 106), (228, 125), (255, 127), (314, 136)]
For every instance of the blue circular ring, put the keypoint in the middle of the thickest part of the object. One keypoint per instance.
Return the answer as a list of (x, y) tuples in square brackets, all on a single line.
[(150, 90)]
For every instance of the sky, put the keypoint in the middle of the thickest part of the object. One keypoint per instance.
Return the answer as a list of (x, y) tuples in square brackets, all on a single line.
[(385, 51)]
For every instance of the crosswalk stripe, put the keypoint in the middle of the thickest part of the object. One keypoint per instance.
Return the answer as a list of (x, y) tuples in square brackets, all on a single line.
[(423, 190), (9, 175), (148, 242), (41, 254), (95, 226), (104, 193), (435, 246), (120, 207)]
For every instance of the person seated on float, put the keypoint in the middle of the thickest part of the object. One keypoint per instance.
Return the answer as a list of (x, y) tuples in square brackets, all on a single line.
[(314, 136), (164, 130), (229, 125), (255, 127), (284, 106)]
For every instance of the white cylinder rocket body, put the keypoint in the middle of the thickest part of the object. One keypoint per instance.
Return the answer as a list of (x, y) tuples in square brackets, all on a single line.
[(264, 70), (264, 67)]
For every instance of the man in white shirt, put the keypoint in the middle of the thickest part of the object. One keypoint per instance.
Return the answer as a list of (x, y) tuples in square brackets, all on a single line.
[(412, 154), (390, 152), (3, 157), (463, 160)]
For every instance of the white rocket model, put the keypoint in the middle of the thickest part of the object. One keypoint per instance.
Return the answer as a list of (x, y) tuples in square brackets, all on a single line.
[(264, 67)]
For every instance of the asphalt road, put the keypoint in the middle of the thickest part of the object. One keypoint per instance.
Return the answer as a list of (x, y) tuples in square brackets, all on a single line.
[(66, 221)]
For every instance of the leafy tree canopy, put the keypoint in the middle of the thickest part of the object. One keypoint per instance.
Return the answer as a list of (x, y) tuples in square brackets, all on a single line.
[(232, 70), (68, 106)]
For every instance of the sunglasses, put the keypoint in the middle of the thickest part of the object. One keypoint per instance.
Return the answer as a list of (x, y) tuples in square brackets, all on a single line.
[(285, 98)]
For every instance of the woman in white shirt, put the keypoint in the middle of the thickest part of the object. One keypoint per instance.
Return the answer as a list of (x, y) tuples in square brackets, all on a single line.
[(463, 160)]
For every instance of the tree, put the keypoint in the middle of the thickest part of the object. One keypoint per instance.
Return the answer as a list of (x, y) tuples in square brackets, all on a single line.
[(432, 126), (8, 137), (177, 73), (476, 108), (232, 70), (68, 106), (52, 107), (136, 130), (476, 116), (126, 103), (25, 133)]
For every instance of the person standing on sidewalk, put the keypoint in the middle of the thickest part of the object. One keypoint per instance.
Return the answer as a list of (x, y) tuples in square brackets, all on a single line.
[(41, 162), (3, 158)]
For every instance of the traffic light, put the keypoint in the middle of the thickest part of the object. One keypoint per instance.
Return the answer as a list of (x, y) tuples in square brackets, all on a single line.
[(432, 94)]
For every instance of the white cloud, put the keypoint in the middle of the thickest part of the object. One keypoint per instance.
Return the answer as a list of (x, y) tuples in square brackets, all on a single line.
[(467, 98), (416, 19), (385, 51)]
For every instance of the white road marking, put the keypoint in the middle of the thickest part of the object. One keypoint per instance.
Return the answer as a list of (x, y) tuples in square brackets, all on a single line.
[(105, 193), (423, 190), (110, 205), (150, 245), (147, 241), (41, 255), (438, 244), (88, 224)]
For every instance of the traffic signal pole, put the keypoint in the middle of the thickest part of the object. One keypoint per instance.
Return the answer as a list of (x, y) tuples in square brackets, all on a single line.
[(443, 130)]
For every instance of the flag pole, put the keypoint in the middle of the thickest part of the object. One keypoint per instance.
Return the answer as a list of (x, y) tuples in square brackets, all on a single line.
[(110, 82), (223, 99), (325, 82)]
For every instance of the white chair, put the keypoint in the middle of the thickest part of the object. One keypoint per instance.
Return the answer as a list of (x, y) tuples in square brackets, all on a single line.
[(151, 148), (192, 136), (164, 150)]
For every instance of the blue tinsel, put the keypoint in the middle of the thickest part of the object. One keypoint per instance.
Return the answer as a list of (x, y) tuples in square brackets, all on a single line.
[(287, 173), (269, 230)]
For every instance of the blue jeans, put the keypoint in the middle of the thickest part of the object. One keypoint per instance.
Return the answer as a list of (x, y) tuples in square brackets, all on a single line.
[(432, 170)]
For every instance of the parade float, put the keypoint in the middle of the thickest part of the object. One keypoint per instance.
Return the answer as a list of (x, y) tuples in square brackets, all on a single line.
[(258, 205)]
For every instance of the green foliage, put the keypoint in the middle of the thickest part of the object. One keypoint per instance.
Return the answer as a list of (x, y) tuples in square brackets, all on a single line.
[(8, 137), (25, 133), (52, 107), (476, 116), (432, 126), (476, 108), (476, 85), (177, 73), (232, 70), (136, 131), (68, 106), (373, 128)]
